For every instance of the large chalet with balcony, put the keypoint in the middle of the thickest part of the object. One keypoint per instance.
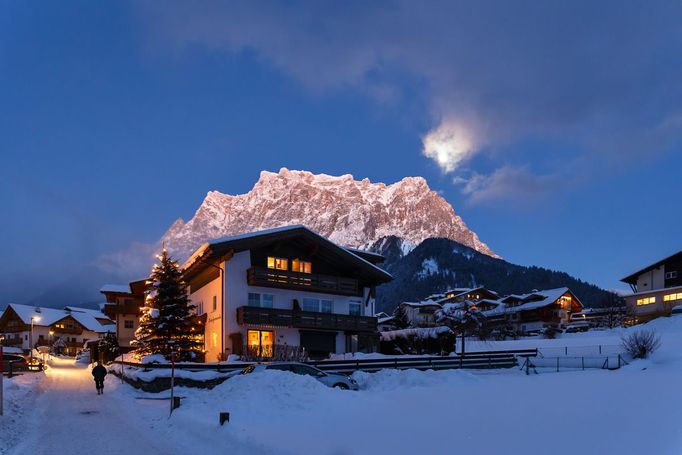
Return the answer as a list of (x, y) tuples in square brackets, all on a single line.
[(67, 329), (284, 287), (656, 289)]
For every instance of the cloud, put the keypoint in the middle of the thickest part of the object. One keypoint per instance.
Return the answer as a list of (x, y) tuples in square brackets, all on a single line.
[(448, 145), (507, 184), (600, 79)]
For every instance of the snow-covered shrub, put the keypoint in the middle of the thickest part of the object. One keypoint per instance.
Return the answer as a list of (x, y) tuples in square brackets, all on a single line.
[(427, 340), (550, 332), (641, 343)]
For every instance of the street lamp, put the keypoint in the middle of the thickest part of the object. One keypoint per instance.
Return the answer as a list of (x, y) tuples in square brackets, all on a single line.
[(33, 319)]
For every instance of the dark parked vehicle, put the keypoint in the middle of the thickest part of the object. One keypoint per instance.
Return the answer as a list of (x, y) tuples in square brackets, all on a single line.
[(18, 363)]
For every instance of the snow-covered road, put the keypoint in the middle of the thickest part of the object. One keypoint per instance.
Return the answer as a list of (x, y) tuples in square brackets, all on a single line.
[(68, 416)]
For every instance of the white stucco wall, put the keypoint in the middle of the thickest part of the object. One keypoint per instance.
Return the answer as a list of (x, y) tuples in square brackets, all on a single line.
[(237, 294), (651, 280), (212, 332)]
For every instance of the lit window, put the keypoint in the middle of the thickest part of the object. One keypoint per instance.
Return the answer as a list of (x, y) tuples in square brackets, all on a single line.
[(646, 300), (278, 263), (301, 266), (214, 339), (260, 343), (671, 297)]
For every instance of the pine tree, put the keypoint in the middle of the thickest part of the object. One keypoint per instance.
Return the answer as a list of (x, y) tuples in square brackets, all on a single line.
[(108, 346), (167, 323)]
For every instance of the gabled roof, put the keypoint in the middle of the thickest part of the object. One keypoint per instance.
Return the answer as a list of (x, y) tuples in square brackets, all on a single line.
[(116, 288), (219, 248), (423, 303), (90, 319), (632, 278), (533, 301)]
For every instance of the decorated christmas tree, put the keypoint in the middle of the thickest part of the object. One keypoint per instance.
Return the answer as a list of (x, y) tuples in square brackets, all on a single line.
[(167, 323)]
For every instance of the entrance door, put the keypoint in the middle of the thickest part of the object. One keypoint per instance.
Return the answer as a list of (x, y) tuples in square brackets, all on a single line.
[(318, 344)]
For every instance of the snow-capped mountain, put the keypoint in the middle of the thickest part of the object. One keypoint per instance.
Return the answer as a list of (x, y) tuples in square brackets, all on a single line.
[(353, 213)]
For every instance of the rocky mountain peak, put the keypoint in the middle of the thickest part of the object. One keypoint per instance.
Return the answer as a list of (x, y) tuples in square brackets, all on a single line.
[(354, 213)]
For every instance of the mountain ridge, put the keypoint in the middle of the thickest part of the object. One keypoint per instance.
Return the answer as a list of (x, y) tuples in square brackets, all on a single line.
[(353, 213)]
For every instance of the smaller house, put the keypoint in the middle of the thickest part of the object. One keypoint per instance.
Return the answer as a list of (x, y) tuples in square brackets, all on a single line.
[(385, 323), (534, 311), (123, 306), (656, 289), (457, 295), (421, 314), (26, 326)]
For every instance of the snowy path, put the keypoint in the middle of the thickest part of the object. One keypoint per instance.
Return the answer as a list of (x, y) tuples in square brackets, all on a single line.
[(69, 417)]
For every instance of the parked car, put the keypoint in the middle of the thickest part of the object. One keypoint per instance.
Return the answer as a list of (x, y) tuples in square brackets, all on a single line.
[(18, 363), (574, 327), (677, 309), (329, 379)]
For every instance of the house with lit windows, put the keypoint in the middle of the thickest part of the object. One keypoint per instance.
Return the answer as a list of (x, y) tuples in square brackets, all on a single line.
[(26, 326), (656, 289), (123, 304), (284, 287), (533, 311)]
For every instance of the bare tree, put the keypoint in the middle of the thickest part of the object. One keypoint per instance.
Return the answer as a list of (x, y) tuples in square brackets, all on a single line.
[(641, 343)]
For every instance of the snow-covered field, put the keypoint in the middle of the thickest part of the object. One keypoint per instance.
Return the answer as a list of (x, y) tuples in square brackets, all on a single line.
[(634, 410)]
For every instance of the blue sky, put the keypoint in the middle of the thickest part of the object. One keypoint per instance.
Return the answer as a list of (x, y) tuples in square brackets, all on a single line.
[(552, 128)]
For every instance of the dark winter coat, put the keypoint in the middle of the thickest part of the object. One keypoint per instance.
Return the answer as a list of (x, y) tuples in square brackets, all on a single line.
[(99, 372)]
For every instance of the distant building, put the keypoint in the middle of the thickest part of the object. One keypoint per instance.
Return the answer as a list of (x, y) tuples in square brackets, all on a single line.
[(421, 314), (123, 303), (657, 288), (26, 326), (533, 311)]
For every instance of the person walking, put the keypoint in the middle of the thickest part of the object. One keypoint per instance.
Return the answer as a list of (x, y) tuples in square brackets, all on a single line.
[(99, 372)]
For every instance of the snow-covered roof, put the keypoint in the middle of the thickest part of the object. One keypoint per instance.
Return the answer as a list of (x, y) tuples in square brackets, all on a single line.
[(422, 303), (384, 320), (539, 299), (120, 288), (252, 235), (88, 318)]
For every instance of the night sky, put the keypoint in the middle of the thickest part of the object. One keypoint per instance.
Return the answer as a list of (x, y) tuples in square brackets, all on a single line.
[(553, 128)]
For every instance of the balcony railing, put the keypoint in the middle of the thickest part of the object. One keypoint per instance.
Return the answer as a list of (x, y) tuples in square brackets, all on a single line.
[(262, 276), (276, 317)]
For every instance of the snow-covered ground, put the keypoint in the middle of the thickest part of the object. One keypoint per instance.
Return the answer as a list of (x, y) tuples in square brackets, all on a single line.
[(634, 410)]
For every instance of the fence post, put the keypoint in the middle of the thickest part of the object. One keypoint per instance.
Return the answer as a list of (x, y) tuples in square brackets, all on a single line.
[(565, 350), (527, 366), (618, 360), (557, 364), (600, 349), (583, 358)]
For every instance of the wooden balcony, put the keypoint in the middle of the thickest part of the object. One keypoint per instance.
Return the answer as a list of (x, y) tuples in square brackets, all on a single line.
[(262, 276), (276, 317)]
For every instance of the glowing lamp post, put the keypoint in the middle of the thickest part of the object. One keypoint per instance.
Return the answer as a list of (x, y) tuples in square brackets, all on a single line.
[(33, 319)]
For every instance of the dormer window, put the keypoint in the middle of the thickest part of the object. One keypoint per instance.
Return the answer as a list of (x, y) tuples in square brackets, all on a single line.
[(278, 263), (301, 266)]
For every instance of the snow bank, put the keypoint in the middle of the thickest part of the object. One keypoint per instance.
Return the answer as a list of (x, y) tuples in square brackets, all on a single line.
[(19, 395), (389, 380)]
